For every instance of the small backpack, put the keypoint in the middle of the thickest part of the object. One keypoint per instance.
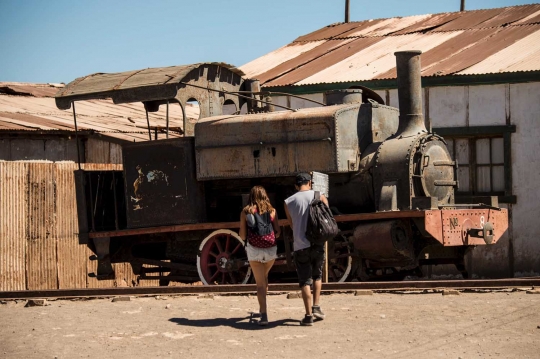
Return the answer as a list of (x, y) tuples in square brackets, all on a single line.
[(260, 224), (321, 225)]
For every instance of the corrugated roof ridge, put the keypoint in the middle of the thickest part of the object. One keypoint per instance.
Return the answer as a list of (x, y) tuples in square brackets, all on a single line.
[(402, 17)]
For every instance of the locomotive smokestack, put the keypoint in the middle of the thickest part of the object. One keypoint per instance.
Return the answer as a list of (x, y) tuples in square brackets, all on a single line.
[(411, 119)]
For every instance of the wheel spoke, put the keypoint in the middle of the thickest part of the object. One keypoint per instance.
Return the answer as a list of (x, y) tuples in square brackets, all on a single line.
[(218, 245), (213, 254), (227, 243), (237, 248), (222, 278), (212, 264), (213, 277)]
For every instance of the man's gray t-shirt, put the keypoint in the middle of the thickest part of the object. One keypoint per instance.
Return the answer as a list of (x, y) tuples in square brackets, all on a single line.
[(298, 205)]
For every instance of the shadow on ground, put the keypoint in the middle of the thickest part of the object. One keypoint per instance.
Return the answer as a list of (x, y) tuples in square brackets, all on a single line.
[(247, 323)]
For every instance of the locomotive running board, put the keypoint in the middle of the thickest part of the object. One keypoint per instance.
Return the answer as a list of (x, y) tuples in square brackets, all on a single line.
[(234, 225)]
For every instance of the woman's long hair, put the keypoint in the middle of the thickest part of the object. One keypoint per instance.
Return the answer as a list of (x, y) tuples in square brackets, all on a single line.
[(258, 199)]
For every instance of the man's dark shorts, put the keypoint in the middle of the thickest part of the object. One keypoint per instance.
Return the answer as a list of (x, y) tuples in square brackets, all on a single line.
[(309, 264)]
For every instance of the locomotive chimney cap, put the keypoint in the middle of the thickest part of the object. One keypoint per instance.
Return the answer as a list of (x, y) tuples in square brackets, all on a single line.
[(412, 52)]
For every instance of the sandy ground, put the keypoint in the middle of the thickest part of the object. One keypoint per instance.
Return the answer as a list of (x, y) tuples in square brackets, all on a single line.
[(469, 325)]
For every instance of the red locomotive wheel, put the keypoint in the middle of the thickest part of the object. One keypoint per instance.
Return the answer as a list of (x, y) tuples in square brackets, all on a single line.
[(222, 259)]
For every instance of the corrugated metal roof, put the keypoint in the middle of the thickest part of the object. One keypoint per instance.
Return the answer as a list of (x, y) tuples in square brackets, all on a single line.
[(468, 42), (125, 121)]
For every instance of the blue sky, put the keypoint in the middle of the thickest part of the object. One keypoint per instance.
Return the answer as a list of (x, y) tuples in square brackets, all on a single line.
[(58, 40)]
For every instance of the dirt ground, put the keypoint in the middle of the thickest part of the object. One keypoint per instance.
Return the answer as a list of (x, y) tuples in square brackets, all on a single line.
[(382, 325)]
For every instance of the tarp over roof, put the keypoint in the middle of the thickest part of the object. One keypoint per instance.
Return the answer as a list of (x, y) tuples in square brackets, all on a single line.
[(459, 43), (159, 83), (28, 107)]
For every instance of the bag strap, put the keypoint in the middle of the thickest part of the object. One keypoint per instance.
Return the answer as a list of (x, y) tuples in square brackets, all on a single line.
[(317, 195)]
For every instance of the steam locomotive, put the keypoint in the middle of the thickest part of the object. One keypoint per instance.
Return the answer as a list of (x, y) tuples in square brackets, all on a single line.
[(173, 211)]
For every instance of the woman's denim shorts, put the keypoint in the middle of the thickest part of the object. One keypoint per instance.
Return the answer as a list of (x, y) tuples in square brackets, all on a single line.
[(262, 255)]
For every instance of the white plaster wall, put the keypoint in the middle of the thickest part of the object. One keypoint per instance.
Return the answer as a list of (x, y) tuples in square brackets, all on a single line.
[(488, 105), (448, 106), (525, 114)]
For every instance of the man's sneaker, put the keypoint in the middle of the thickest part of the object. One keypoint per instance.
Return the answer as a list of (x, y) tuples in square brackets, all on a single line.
[(264, 319), (308, 320), (317, 312)]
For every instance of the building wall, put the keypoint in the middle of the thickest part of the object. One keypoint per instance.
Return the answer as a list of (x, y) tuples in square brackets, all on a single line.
[(489, 105), (48, 148), (39, 245), (39, 242)]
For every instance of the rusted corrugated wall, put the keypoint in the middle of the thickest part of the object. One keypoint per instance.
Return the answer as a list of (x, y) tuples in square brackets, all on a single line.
[(71, 256), (13, 208), (39, 245), (40, 233)]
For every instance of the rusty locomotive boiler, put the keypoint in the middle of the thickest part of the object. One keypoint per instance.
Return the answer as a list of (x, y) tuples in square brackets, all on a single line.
[(173, 211)]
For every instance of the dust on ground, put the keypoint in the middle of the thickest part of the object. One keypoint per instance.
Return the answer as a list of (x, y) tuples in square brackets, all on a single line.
[(469, 325)]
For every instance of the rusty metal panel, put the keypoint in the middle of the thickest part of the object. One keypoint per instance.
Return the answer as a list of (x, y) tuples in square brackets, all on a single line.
[(509, 15), (321, 139), (322, 62), (386, 27), (447, 49), (97, 151), (431, 23), (452, 227), (126, 122), (279, 56), (13, 209), (71, 255), (377, 58), (41, 231), (336, 30), (302, 59), (160, 183), (27, 89), (115, 153), (523, 55), (470, 19), (481, 50), (532, 18)]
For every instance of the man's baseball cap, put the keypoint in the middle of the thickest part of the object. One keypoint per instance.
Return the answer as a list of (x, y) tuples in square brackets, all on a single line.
[(302, 178)]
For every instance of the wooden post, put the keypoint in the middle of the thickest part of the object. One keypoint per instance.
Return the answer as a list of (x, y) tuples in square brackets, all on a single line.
[(325, 272)]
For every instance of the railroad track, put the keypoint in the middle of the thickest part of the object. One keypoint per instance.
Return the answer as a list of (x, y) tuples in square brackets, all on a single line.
[(288, 287)]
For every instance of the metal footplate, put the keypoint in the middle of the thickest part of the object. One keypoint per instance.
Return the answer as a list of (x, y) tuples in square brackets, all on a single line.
[(472, 227)]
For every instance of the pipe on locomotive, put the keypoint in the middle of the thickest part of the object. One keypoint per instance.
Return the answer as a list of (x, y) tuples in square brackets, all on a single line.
[(411, 118)]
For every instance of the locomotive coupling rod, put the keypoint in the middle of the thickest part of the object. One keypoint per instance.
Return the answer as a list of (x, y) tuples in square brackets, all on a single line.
[(237, 94)]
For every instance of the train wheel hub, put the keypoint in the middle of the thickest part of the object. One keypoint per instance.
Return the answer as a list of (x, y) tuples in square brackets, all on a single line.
[(221, 261)]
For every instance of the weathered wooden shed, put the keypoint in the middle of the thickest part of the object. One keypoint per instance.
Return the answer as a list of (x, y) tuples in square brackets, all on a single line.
[(481, 84)]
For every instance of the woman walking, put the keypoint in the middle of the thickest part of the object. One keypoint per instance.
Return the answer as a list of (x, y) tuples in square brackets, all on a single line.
[(259, 227)]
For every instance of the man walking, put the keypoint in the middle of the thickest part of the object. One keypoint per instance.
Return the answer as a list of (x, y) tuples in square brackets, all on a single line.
[(308, 258)]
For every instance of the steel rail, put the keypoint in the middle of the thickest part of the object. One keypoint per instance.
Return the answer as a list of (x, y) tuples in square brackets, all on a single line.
[(250, 288)]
